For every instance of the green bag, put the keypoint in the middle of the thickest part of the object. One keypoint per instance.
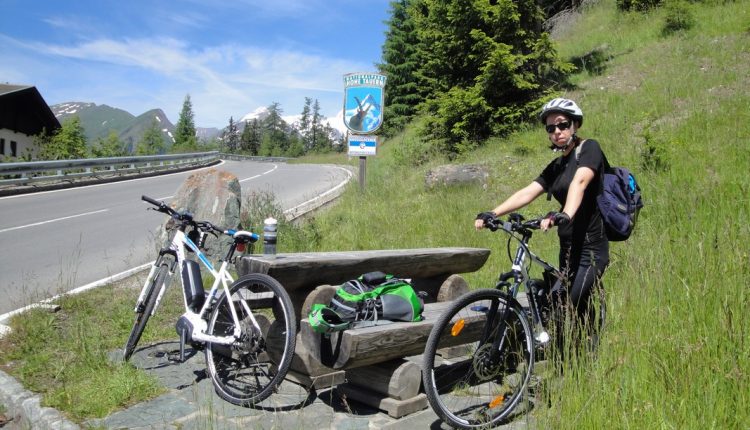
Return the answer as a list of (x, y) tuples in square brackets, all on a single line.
[(373, 298)]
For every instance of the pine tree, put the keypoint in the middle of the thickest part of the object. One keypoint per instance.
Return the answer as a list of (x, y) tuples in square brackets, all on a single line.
[(400, 65), (304, 125), (152, 142), (231, 136), (319, 141), (486, 65), (251, 137), (322, 140), (185, 139), (275, 135)]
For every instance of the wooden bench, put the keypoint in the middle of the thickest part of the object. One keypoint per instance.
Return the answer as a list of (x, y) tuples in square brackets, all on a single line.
[(368, 364)]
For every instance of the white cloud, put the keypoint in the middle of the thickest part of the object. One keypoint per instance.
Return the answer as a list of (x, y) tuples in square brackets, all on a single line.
[(139, 63)]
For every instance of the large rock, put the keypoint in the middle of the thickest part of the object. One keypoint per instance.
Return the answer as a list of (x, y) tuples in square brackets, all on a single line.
[(452, 174), (210, 195)]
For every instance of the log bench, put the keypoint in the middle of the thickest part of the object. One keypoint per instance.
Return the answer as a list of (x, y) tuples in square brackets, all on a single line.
[(369, 364)]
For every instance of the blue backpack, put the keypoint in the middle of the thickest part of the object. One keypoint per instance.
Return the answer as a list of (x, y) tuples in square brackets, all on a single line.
[(619, 200)]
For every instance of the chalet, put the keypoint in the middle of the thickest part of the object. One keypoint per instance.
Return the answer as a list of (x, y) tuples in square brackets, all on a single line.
[(23, 115)]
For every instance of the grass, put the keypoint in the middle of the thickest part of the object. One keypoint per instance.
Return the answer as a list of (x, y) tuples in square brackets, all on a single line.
[(63, 355), (676, 353)]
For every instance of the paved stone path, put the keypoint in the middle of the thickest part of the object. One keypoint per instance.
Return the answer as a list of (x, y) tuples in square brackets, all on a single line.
[(191, 403)]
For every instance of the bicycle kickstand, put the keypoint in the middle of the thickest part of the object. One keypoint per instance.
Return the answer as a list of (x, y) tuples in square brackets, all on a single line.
[(183, 339)]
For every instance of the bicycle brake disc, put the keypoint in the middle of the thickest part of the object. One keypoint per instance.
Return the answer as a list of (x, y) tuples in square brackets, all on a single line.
[(484, 367)]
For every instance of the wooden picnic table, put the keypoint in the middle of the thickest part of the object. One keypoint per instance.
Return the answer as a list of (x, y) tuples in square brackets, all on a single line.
[(369, 364)]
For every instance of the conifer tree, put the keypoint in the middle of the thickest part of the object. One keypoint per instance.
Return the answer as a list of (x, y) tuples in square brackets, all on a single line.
[(251, 137), (400, 65), (275, 134), (304, 124), (184, 138), (231, 136), (482, 66)]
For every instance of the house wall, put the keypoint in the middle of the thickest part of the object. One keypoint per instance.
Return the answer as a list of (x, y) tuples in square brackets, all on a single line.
[(24, 145)]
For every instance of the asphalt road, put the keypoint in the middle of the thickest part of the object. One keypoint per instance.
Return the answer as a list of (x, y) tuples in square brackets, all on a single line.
[(52, 242)]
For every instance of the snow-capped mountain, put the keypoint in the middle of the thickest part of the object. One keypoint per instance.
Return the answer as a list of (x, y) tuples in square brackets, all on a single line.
[(336, 122)]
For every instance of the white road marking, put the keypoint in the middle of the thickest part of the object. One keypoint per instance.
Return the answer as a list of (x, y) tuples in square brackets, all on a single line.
[(275, 166), (4, 317), (52, 220), (46, 302), (320, 196)]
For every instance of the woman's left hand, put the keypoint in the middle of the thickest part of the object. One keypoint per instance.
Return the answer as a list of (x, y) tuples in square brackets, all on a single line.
[(554, 219)]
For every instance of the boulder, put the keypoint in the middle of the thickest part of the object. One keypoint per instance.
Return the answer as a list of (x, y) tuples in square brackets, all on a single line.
[(457, 174), (210, 195)]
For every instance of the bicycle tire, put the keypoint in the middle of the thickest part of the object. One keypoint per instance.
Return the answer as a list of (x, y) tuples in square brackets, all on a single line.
[(248, 372), (463, 387), (141, 318)]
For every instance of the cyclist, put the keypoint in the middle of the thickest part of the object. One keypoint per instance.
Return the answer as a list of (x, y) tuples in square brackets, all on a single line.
[(573, 179)]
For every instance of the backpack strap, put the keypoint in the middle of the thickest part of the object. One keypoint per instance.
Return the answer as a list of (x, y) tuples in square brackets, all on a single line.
[(325, 320), (577, 155)]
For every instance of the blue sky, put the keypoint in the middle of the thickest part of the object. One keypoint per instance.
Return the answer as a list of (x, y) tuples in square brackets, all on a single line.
[(230, 56)]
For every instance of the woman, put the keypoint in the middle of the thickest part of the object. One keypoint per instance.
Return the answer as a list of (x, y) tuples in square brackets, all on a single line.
[(574, 180)]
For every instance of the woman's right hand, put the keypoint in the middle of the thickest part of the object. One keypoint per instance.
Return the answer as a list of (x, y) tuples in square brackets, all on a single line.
[(483, 218)]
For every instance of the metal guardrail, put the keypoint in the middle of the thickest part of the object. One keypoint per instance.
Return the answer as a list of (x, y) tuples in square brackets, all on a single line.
[(239, 157), (34, 171)]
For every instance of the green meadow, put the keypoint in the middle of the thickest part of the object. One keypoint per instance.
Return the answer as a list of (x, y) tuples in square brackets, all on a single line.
[(673, 107)]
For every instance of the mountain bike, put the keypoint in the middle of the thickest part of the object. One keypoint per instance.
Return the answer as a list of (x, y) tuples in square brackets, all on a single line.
[(480, 354), (247, 328)]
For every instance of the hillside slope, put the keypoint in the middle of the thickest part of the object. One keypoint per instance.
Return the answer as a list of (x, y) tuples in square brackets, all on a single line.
[(99, 120), (676, 110)]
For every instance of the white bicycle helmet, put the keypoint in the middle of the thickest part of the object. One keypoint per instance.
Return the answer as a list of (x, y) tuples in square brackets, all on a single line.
[(563, 106)]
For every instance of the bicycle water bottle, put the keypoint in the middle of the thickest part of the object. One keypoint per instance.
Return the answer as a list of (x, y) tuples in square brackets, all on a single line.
[(269, 236)]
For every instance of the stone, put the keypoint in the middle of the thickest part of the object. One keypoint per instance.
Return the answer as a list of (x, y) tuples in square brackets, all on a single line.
[(461, 174), (210, 195)]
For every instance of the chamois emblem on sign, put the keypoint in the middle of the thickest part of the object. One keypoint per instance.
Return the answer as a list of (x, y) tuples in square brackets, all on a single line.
[(363, 102)]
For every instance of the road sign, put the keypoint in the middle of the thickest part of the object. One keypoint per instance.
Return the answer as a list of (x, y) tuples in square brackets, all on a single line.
[(363, 102), (362, 146)]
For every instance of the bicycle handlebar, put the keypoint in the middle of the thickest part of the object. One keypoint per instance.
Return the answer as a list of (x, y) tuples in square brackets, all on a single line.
[(204, 226), (515, 223)]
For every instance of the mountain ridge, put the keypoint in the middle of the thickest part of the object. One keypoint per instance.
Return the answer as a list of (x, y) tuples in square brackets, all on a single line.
[(99, 120)]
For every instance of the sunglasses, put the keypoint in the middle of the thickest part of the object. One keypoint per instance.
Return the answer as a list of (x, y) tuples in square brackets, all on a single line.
[(561, 125)]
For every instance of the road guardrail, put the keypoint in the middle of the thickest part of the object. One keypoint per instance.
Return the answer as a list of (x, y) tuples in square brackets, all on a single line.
[(35, 171)]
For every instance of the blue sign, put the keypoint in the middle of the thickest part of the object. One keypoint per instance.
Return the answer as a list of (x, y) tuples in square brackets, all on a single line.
[(363, 102)]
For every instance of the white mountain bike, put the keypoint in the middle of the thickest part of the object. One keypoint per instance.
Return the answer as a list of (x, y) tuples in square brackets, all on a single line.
[(247, 327)]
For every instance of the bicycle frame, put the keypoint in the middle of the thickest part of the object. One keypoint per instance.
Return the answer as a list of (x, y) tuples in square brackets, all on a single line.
[(222, 279), (520, 272)]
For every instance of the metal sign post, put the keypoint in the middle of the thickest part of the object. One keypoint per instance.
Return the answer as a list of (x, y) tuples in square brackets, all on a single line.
[(363, 115), (362, 146)]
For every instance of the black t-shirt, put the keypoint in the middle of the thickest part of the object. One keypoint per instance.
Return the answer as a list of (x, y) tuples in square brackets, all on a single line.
[(587, 227)]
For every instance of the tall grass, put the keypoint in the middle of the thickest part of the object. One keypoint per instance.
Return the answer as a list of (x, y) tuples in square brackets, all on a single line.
[(676, 351), (675, 110)]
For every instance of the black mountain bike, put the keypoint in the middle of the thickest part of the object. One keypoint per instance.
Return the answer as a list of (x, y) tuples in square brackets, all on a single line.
[(480, 353)]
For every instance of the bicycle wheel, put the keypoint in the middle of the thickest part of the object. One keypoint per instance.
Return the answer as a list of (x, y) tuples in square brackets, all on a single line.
[(468, 383), (248, 371), (144, 312)]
